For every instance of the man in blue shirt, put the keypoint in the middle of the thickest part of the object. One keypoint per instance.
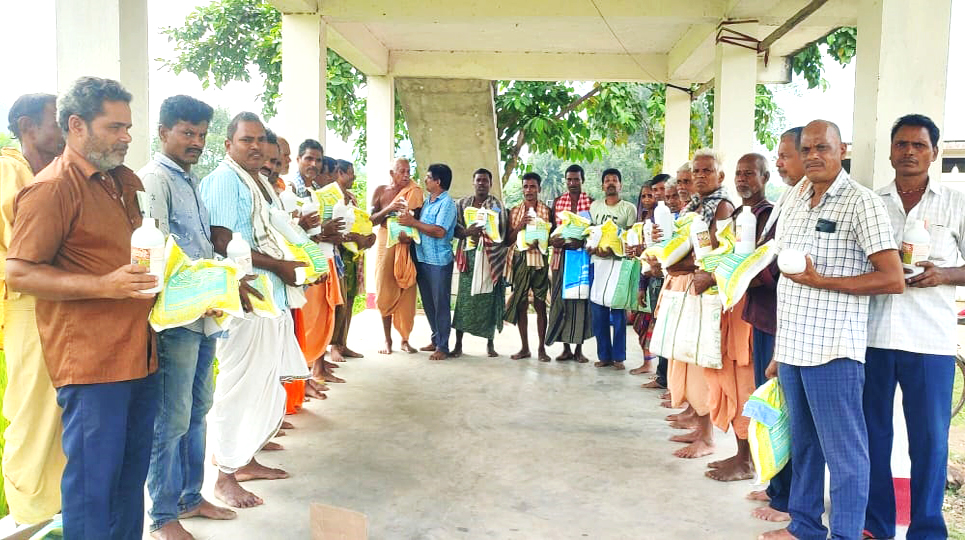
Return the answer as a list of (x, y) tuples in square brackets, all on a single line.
[(437, 224)]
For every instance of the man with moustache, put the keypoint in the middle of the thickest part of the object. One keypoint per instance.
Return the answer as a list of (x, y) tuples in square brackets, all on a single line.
[(845, 230), (310, 155), (33, 461), (71, 249)]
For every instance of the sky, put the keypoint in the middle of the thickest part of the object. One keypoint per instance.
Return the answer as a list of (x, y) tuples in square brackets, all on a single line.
[(30, 25)]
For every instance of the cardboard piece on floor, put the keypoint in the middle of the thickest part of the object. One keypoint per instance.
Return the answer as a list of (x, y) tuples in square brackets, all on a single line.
[(334, 523)]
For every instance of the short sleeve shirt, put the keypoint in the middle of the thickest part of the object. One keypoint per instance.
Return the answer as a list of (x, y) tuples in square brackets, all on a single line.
[(80, 220), (623, 213), (816, 326), (922, 320), (441, 212)]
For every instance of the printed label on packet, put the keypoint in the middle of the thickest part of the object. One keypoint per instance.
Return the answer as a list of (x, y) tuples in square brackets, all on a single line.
[(703, 239)]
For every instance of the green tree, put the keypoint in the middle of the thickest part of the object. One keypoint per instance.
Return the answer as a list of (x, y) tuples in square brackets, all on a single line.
[(214, 150), (6, 139), (841, 45)]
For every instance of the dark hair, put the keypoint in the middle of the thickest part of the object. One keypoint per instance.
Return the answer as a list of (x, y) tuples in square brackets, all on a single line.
[(442, 173), (343, 166), (85, 98), (483, 171), (177, 108), (310, 144), (612, 171), (575, 168), (917, 120), (532, 176), (328, 164), (659, 179), (31, 106), (239, 118), (794, 133)]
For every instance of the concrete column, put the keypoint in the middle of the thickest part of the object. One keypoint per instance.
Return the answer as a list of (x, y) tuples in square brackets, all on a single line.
[(380, 145), (676, 130), (735, 87), (902, 65), (304, 56), (108, 38)]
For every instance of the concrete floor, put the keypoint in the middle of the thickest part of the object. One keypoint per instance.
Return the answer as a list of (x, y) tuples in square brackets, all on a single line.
[(482, 447)]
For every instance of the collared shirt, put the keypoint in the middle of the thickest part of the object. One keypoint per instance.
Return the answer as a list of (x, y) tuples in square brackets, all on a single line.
[(176, 206), (922, 320), (80, 220), (15, 174), (816, 326), (622, 213), (228, 200), (440, 211), (298, 185)]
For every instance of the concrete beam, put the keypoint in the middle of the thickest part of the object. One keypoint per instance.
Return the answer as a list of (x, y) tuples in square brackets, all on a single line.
[(108, 38), (295, 6), (470, 10), (356, 44), (692, 53), (528, 66)]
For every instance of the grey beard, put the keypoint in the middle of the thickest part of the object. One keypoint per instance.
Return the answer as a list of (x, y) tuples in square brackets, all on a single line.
[(104, 161)]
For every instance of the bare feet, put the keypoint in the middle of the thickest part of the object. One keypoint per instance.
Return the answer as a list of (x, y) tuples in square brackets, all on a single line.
[(228, 491), (780, 534), (428, 348), (645, 368), (686, 414), (208, 510), (543, 357), (602, 363), (329, 365), (698, 448), (667, 404), (349, 353), (523, 353), (652, 384), (438, 355), (732, 470), (618, 366), (456, 352), (172, 530), (280, 433), (408, 348), (328, 376), (337, 354), (285, 425), (693, 436), (314, 389), (387, 348), (565, 355), (759, 495), (665, 395), (686, 423), (256, 471), (721, 462), (766, 513), (581, 359), (491, 350), (271, 447)]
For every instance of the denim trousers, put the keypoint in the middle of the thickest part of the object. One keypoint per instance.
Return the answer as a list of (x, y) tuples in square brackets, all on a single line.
[(435, 286)]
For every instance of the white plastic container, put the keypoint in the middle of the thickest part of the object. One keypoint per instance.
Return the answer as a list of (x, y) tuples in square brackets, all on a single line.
[(240, 253), (746, 232), (308, 207), (663, 219), (289, 200), (791, 261), (700, 238), (648, 233), (282, 223), (915, 247), (147, 249)]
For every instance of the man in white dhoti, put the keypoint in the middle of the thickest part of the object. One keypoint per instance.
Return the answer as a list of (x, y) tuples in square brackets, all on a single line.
[(258, 352)]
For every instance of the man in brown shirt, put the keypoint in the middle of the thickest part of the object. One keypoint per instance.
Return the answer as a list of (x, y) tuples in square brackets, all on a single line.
[(71, 249)]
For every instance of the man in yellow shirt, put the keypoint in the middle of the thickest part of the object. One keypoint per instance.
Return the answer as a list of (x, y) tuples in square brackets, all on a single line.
[(33, 460)]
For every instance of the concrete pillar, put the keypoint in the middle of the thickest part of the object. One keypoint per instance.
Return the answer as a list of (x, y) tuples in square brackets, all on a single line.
[(304, 56), (902, 65), (380, 145), (735, 88), (108, 38), (676, 130)]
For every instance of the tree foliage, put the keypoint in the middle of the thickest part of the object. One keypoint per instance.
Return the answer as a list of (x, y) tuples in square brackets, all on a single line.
[(214, 150), (6, 139), (841, 45)]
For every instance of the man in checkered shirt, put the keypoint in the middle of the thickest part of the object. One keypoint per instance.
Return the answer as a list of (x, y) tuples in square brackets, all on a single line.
[(822, 331)]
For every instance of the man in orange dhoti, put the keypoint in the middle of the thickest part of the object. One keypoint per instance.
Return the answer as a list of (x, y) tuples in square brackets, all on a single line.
[(395, 289), (732, 385)]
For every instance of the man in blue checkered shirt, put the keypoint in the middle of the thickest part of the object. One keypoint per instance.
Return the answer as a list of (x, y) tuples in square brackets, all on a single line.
[(822, 332)]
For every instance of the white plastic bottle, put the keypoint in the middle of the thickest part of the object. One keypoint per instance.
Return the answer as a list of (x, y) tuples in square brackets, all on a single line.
[(700, 238), (915, 247), (289, 200), (147, 249), (240, 252), (663, 218), (746, 232), (308, 207), (648, 233)]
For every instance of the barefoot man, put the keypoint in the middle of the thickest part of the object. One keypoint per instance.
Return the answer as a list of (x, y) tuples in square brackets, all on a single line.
[(33, 461), (569, 320), (249, 399), (845, 230), (529, 271), (395, 277), (481, 299), (733, 384)]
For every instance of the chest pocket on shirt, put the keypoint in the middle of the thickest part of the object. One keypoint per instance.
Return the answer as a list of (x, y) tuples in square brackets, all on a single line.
[(830, 249), (943, 247)]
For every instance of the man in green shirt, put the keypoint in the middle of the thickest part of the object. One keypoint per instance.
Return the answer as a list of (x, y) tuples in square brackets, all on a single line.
[(610, 350)]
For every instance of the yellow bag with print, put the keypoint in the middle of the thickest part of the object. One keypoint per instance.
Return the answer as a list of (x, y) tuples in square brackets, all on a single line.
[(769, 433), (606, 235), (327, 197), (362, 224), (316, 263), (734, 273), (395, 228), (486, 218), (537, 231), (572, 226)]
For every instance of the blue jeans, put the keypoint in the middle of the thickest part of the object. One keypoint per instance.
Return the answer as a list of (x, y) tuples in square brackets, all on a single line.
[(435, 286), (108, 429), (186, 387), (609, 349), (827, 426), (779, 488), (926, 389)]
